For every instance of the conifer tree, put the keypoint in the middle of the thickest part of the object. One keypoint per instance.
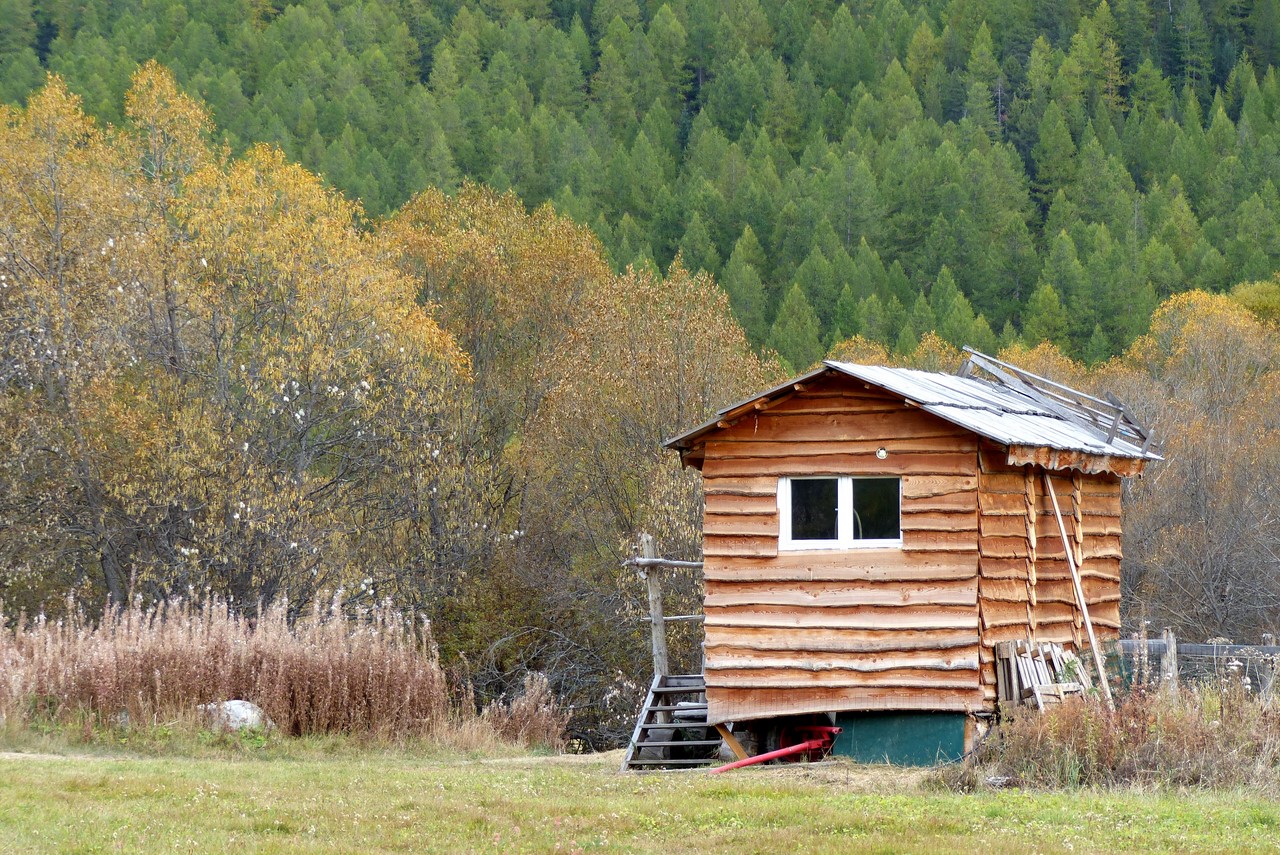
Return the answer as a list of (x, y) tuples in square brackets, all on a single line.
[(1044, 318), (697, 248), (795, 334), (741, 281)]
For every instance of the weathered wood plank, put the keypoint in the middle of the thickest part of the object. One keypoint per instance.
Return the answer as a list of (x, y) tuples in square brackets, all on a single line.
[(895, 424), (722, 660), (771, 678), (1002, 568), (996, 613), (997, 504), (1003, 547), (1104, 506), (720, 503), (1005, 590), (844, 640), (730, 704), (886, 618), (840, 464), (1100, 526), (926, 486), (740, 524), (992, 635), (965, 502), (715, 544), (941, 541), (802, 404), (759, 447), (1003, 482), (938, 521), (739, 486), (1101, 486), (825, 595), (1002, 526), (845, 565), (995, 459)]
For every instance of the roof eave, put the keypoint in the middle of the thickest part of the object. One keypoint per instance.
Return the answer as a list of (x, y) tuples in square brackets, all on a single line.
[(686, 440)]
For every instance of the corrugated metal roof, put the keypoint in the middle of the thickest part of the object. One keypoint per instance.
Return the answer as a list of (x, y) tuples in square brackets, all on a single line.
[(1008, 416), (998, 411)]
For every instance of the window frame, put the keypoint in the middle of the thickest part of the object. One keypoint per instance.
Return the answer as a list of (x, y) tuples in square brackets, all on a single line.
[(844, 518)]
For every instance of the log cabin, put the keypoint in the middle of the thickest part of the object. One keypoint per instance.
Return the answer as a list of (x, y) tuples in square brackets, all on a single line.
[(871, 533)]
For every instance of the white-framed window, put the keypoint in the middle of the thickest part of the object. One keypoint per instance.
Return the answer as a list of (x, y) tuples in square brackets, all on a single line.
[(839, 512)]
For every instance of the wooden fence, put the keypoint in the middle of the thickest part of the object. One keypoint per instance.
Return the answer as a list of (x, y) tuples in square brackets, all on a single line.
[(1165, 660)]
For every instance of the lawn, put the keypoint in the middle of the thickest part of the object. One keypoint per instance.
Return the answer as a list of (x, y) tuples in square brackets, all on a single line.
[(378, 801)]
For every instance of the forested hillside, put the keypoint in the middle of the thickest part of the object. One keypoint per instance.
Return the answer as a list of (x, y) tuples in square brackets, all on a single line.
[(987, 168)]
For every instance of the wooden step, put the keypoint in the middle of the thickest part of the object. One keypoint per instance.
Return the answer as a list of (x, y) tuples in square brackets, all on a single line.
[(685, 717)]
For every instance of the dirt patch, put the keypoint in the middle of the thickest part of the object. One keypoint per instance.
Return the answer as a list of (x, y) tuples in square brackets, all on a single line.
[(849, 776)]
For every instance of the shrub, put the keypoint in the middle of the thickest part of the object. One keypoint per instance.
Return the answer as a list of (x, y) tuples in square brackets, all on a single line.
[(371, 673), (532, 719), (1200, 736)]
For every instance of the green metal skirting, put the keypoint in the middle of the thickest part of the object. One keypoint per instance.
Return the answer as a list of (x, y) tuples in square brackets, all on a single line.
[(901, 738)]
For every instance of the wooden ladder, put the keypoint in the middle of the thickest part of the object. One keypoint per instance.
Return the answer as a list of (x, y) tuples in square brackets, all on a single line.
[(672, 730)]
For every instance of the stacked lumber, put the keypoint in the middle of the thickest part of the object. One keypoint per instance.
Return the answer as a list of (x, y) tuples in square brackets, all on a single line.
[(1037, 674)]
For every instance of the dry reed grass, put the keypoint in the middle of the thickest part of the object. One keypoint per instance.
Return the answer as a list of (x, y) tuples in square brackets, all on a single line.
[(1201, 736), (369, 674)]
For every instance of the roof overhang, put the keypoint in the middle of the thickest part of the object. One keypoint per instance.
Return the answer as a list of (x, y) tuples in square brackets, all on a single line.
[(1038, 421)]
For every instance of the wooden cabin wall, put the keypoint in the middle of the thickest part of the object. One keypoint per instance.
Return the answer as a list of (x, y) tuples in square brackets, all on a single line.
[(1024, 584), (819, 631)]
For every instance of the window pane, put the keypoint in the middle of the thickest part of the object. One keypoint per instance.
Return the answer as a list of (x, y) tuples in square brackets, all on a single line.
[(875, 509), (813, 509)]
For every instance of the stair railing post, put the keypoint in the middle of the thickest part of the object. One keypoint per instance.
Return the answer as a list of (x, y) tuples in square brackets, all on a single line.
[(657, 622)]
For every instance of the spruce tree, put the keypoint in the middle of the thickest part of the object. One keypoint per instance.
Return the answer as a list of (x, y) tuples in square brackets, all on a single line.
[(742, 283), (1044, 318), (796, 334)]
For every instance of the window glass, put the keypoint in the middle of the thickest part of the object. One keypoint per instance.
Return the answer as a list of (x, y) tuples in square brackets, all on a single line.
[(814, 509), (875, 509)]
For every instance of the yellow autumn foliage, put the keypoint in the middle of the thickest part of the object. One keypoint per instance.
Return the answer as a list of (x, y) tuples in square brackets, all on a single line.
[(215, 379)]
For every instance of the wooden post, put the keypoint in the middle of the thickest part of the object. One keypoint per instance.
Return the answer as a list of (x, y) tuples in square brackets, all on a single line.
[(657, 623), (1169, 662), (1075, 581)]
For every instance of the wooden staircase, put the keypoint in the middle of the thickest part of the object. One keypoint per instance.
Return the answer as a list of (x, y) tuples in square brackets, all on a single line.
[(672, 730)]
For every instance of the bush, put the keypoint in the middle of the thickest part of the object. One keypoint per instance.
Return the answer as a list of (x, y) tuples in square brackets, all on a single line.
[(374, 673), (1200, 736)]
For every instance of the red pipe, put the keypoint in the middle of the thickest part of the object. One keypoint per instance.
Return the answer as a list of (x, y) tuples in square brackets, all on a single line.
[(808, 745)]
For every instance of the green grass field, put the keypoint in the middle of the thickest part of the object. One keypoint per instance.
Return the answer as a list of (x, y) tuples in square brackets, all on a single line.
[(377, 801)]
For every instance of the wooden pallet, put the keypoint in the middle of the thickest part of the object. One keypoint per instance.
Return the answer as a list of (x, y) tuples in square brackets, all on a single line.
[(672, 730), (1038, 674)]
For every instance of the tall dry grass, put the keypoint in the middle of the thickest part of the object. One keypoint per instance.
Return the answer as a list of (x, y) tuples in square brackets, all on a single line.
[(374, 673), (1203, 735)]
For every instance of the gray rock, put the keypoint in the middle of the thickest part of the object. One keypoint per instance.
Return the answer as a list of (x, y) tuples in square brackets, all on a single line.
[(235, 715)]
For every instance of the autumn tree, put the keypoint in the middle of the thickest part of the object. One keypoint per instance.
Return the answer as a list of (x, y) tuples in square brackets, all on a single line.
[(216, 380)]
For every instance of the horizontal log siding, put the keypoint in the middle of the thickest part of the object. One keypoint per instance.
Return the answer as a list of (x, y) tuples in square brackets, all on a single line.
[(1024, 584), (874, 629)]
